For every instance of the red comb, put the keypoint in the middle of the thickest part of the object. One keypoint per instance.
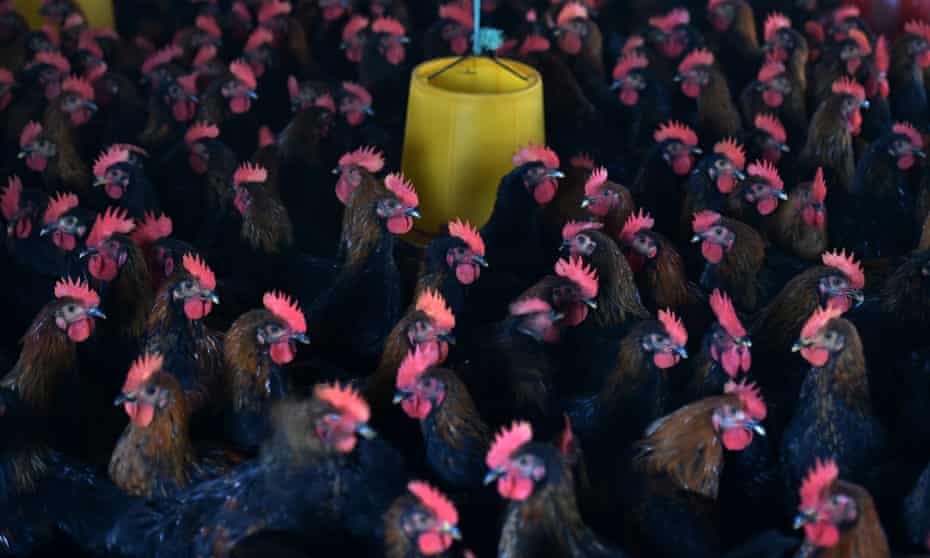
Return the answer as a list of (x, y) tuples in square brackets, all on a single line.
[(595, 182), (850, 268), (272, 10), (432, 304), (770, 70), (73, 20), (58, 205), (325, 101), (205, 54), (582, 161), (242, 11), (415, 363), (108, 158), (573, 228), (194, 265), (628, 63), (677, 131), (199, 131), (635, 223), (845, 12), (141, 370), (749, 397), (704, 220), (534, 43), (539, 153), (152, 228), (249, 172), (78, 86), (882, 56), (77, 289), (772, 126), (671, 20), (359, 92), (285, 309), (917, 27), (507, 441), (433, 500), (243, 73), (862, 42), (402, 189), (6, 76), (354, 26), (529, 306), (265, 137), (9, 200), (819, 319), (818, 480), (733, 151), (111, 221), (773, 23), (131, 148), (96, 72), (583, 276), (766, 170), (848, 86), (695, 58), (55, 59), (908, 130), (160, 58), (368, 158), (30, 133), (571, 11), (632, 43), (209, 26), (52, 34), (819, 188), (259, 37), (344, 399), (458, 14), (722, 306), (673, 326), (88, 42), (388, 25), (464, 231)]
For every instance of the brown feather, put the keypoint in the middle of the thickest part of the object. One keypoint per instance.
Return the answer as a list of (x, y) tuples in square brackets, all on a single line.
[(865, 539), (787, 229), (717, 115), (266, 226), (617, 298), (741, 265), (457, 418), (829, 143), (247, 370), (778, 325)]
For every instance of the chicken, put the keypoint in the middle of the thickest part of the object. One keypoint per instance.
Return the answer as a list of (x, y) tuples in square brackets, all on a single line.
[(255, 349), (451, 34), (850, 56), (774, 92), (123, 183), (644, 100), (758, 196), (716, 176), (155, 457), (799, 227), (227, 103), (57, 170), (725, 350), (839, 517), (512, 231), (679, 466), (579, 39), (66, 224), (734, 37), (717, 117), (829, 138), (910, 56), (192, 351), (163, 254), (767, 139), (421, 523), (671, 36), (734, 254), (833, 415), (542, 516)]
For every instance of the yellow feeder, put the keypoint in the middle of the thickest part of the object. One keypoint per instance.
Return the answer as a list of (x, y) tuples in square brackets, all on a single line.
[(99, 13), (464, 123)]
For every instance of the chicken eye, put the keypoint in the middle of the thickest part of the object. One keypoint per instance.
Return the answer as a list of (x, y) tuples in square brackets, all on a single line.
[(150, 390), (69, 221)]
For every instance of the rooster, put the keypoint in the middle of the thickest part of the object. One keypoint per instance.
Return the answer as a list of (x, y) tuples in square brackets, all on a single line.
[(192, 352), (542, 516), (256, 348), (799, 226), (838, 517), (734, 253), (717, 117), (833, 415), (421, 523)]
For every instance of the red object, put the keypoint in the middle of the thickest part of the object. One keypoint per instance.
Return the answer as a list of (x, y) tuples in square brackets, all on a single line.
[(889, 16)]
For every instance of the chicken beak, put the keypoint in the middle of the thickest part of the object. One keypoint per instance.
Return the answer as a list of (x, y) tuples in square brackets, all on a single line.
[(756, 427), (697, 150), (369, 111), (780, 194), (211, 296), (124, 398), (586, 202), (87, 252), (448, 338), (556, 316), (399, 397), (695, 239), (336, 170), (100, 181), (479, 260), (451, 530), (591, 303), (555, 173), (920, 153), (96, 313), (301, 338), (800, 344), (412, 212), (46, 229), (856, 296), (251, 95), (785, 148), (804, 517), (21, 155), (91, 106), (365, 431), (739, 174), (616, 85), (681, 351), (744, 342), (678, 78), (866, 104), (493, 475)]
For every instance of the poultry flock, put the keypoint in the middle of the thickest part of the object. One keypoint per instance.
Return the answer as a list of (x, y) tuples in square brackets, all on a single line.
[(696, 323)]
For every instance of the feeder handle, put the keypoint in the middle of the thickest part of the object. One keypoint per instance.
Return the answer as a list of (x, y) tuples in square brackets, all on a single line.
[(475, 47)]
